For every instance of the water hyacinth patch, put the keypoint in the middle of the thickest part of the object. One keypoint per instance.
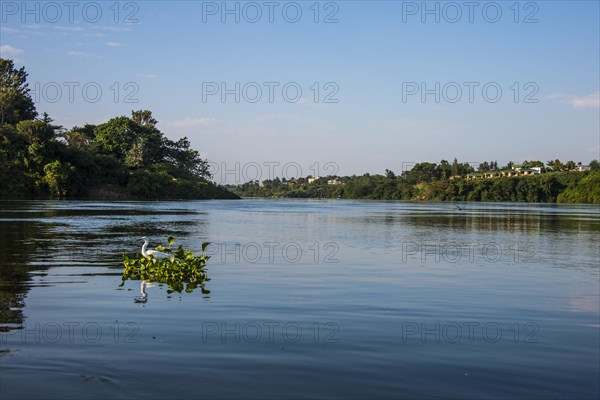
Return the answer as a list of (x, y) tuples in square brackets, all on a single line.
[(183, 271)]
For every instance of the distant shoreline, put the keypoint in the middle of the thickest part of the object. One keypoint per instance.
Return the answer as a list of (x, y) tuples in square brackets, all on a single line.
[(552, 187)]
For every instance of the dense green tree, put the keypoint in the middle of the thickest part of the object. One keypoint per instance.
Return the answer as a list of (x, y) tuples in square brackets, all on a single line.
[(16, 103), (59, 177), (587, 190), (532, 164), (422, 172), (117, 136), (143, 118), (36, 131), (555, 165), (185, 159), (570, 166), (444, 169)]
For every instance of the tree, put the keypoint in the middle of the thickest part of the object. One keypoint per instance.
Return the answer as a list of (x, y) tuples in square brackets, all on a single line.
[(555, 165), (587, 190), (35, 131), (46, 119), (594, 165), (455, 167), (445, 169), (570, 165), (143, 118), (422, 172), (137, 155), (187, 160), (59, 177), (117, 136), (80, 137), (532, 164), (15, 101)]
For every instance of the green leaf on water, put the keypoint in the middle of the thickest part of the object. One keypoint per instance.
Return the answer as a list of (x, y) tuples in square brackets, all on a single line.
[(184, 269)]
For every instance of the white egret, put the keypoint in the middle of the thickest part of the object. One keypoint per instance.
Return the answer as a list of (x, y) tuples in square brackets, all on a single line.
[(157, 255)]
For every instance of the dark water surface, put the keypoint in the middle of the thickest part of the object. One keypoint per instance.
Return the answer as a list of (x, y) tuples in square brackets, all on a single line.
[(308, 299)]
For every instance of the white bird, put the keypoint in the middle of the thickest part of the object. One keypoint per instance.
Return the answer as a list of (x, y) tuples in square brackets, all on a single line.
[(157, 255)]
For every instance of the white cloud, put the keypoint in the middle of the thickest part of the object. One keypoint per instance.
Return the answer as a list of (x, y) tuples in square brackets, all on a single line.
[(7, 49), (115, 29), (82, 54), (69, 28), (149, 76), (33, 26), (589, 101), (192, 122), (277, 117), (24, 31), (113, 44), (9, 30)]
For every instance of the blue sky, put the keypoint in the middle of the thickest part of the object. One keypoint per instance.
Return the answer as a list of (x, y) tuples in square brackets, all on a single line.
[(375, 61)]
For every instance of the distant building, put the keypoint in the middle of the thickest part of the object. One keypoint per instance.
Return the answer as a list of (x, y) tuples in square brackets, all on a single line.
[(334, 181), (515, 171), (528, 170), (311, 180), (582, 168)]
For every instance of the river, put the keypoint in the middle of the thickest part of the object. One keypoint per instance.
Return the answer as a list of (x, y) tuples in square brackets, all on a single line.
[(306, 299)]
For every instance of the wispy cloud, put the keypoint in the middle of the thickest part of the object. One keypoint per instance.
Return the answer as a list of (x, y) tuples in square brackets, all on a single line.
[(589, 101), (69, 28), (113, 44), (115, 29), (192, 122), (7, 49), (286, 117), (82, 54), (24, 31), (149, 76), (9, 30)]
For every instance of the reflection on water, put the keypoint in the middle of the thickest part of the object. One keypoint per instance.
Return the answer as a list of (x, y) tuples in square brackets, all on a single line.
[(17, 252), (38, 235), (309, 299), (143, 297)]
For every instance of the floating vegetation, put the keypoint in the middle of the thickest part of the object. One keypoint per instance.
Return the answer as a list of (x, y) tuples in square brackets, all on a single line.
[(182, 270)]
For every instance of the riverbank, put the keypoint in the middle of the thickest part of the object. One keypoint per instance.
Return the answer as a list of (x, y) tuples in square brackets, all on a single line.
[(551, 187)]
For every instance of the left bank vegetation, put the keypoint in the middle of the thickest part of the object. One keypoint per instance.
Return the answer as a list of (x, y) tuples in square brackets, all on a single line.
[(127, 157)]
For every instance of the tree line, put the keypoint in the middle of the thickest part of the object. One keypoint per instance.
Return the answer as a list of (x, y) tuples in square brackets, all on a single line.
[(125, 157), (441, 181)]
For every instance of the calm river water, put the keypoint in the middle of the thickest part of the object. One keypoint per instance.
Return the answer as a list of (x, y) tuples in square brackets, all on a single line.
[(308, 299)]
